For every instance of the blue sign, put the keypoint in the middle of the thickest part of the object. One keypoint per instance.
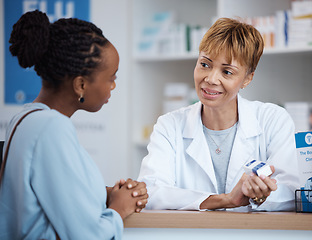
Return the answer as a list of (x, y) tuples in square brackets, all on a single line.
[(303, 139), (23, 85)]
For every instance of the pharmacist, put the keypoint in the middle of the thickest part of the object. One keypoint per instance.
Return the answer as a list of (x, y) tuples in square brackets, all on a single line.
[(196, 154)]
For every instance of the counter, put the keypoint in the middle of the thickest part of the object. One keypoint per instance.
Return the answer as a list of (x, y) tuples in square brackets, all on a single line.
[(151, 224)]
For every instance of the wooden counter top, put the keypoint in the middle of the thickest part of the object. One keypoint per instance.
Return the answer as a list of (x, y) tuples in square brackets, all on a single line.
[(219, 220)]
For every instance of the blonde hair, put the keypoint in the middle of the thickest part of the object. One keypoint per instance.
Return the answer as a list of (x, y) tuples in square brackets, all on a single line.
[(239, 40)]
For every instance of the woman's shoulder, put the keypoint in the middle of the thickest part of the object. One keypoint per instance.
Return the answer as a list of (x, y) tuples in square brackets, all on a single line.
[(44, 119), (268, 111), (179, 120), (50, 116), (272, 108), (182, 113), (261, 106)]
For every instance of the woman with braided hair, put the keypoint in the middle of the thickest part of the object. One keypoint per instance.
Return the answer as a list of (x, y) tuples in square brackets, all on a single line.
[(50, 187)]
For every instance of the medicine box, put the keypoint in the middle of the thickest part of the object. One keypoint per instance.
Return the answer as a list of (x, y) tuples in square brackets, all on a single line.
[(258, 168)]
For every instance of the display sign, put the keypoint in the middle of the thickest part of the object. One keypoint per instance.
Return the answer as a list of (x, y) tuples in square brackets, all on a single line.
[(23, 85), (304, 155)]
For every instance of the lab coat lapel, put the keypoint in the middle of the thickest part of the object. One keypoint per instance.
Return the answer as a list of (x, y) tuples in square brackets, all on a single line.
[(198, 149), (247, 130)]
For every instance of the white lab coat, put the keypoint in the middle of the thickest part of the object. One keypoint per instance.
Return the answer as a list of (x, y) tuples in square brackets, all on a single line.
[(178, 169)]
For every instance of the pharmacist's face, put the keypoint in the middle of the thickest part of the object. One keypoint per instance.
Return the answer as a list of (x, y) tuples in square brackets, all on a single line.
[(217, 81)]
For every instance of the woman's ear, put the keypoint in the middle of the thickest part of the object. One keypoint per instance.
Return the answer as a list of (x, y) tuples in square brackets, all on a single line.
[(79, 85), (247, 80)]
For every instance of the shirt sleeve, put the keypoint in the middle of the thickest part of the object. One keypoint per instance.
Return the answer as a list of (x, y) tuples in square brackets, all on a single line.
[(158, 171), (69, 187)]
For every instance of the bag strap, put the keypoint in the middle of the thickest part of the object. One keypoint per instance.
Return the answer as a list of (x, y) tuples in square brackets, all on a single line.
[(9, 142)]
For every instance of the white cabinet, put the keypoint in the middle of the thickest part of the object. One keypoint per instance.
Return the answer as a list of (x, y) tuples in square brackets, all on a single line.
[(282, 74)]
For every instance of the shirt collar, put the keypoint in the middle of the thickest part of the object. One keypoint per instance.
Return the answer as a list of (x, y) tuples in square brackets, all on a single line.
[(247, 119)]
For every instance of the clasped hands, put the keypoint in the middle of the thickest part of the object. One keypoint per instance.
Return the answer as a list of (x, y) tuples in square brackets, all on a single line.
[(127, 196)]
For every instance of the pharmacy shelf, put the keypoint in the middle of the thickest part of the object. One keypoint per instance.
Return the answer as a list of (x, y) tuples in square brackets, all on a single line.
[(191, 56), (171, 57), (288, 50)]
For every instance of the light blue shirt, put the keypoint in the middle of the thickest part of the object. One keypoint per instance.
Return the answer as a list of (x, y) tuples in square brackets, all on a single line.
[(225, 140), (50, 182)]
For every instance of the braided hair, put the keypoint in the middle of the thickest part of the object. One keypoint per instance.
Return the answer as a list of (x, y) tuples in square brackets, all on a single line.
[(64, 49)]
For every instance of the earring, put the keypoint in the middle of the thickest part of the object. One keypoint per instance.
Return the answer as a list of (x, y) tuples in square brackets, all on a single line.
[(81, 99)]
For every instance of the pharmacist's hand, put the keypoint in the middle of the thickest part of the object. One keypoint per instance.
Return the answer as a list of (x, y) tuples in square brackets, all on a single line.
[(236, 196), (259, 187), (127, 197)]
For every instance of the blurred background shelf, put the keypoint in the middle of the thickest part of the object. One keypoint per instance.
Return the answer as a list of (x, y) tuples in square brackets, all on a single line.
[(192, 56)]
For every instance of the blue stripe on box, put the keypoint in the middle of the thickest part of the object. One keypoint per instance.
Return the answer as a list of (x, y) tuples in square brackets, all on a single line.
[(257, 167)]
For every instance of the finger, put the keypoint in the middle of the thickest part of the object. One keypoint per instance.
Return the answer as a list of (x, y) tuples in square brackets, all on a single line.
[(266, 184), (116, 183), (244, 176), (140, 189), (259, 187), (116, 186), (131, 183), (272, 169), (142, 184), (247, 189), (270, 183), (250, 189), (141, 203), (139, 192), (122, 182)]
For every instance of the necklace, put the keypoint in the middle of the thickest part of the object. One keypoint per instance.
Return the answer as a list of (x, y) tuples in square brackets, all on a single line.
[(218, 150)]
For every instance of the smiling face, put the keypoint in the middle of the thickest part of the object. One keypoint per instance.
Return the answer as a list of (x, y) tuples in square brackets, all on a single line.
[(98, 87), (218, 81), (229, 53)]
